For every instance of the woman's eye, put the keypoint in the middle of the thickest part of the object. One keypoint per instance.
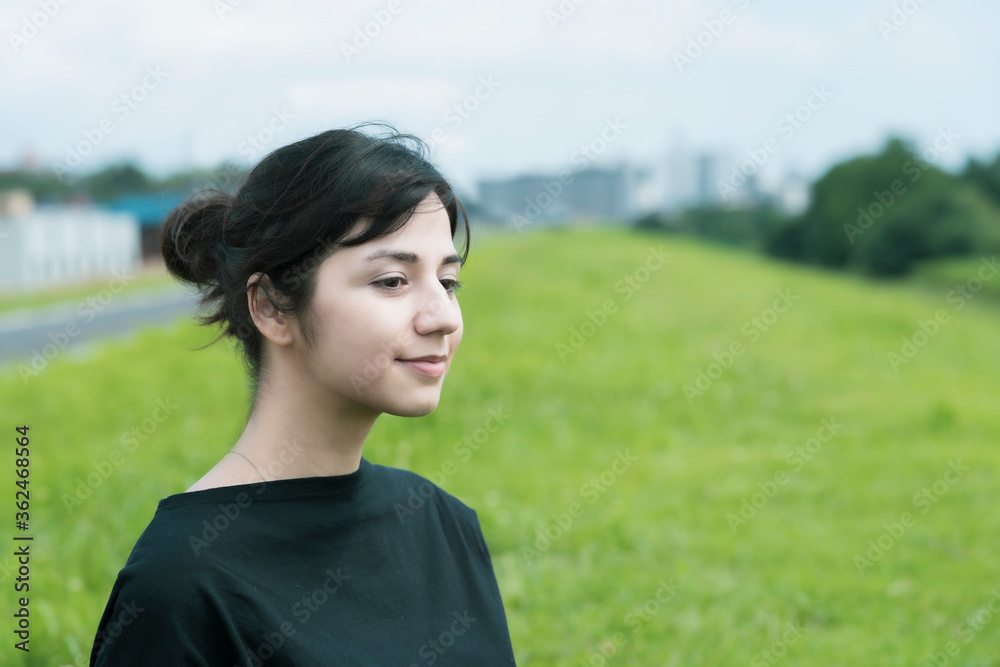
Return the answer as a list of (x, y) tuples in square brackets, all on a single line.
[(395, 282), (390, 283)]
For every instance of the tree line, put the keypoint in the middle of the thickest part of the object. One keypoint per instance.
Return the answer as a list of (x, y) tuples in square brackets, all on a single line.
[(876, 214)]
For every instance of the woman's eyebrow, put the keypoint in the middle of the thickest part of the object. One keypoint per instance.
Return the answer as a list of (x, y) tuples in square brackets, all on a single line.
[(411, 258)]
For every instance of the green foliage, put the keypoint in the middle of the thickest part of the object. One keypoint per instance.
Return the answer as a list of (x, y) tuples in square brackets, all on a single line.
[(941, 277), (117, 180), (226, 176), (745, 228), (45, 187), (881, 214), (985, 176), (665, 520)]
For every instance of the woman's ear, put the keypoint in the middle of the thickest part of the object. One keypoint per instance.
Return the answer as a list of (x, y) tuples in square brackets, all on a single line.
[(272, 323)]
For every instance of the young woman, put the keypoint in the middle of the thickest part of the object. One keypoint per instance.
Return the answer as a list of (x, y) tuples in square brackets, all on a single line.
[(334, 268)]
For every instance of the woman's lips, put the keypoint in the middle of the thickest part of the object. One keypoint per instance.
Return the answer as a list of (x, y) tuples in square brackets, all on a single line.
[(424, 367)]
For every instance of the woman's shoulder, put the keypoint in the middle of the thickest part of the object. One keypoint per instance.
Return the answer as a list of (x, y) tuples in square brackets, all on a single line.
[(416, 501), (413, 486), (165, 548), (161, 587)]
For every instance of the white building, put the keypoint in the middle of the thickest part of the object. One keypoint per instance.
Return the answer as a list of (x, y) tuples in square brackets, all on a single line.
[(692, 176), (43, 247)]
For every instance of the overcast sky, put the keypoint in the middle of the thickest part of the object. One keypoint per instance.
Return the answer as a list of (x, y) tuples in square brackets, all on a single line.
[(190, 82)]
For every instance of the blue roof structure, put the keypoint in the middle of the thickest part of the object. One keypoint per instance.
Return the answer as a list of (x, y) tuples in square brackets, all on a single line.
[(149, 209)]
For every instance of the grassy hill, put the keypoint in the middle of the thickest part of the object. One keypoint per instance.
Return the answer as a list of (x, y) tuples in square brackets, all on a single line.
[(706, 458), (151, 276)]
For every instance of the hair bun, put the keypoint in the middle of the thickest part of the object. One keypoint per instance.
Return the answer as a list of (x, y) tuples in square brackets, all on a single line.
[(190, 234)]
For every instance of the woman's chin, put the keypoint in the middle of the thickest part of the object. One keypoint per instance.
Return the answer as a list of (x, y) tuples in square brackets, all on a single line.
[(413, 409)]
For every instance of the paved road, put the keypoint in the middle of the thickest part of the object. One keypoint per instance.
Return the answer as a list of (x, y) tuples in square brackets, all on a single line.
[(71, 324)]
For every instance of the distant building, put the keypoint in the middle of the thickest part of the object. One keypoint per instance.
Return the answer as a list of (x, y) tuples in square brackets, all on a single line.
[(49, 246), (592, 193), (706, 177), (16, 202), (794, 194), (680, 176), (150, 209)]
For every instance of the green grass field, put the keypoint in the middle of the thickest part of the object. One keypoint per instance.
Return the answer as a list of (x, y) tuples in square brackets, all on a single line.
[(709, 459), (148, 278)]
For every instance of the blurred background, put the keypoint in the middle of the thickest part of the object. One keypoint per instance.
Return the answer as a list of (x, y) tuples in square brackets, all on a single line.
[(750, 246)]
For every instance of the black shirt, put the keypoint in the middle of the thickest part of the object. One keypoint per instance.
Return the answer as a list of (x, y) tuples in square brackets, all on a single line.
[(376, 567)]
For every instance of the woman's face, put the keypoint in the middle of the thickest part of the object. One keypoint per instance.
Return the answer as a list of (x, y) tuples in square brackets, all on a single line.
[(380, 306)]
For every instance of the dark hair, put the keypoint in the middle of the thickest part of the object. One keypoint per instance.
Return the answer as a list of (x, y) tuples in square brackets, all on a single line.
[(291, 211)]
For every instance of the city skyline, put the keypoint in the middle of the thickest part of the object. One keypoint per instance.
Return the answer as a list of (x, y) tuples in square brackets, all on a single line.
[(496, 93)]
